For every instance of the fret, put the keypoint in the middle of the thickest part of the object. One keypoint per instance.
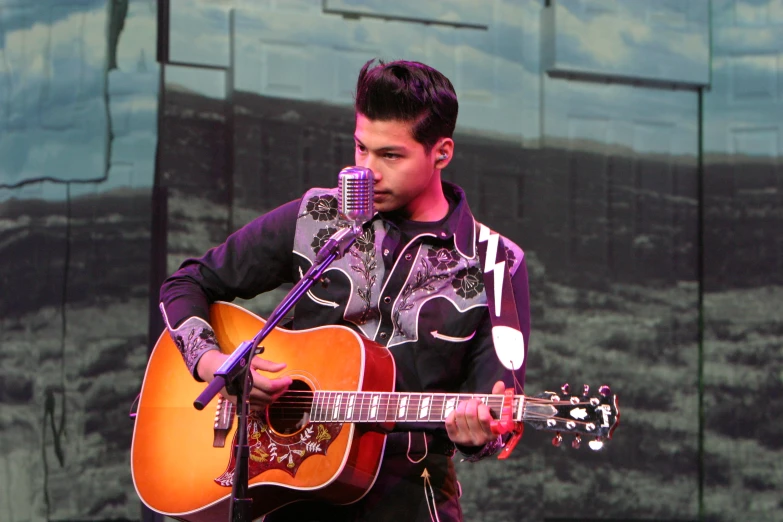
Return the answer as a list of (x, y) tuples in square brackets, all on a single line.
[(383, 411), (349, 409), (355, 402), (325, 400), (413, 407), (450, 404), (383, 414), (354, 407), (495, 403), (364, 403), (383, 407), (436, 407), (392, 404), (361, 406), (315, 409), (424, 406), (373, 401), (374, 404), (397, 402), (402, 407), (336, 407)]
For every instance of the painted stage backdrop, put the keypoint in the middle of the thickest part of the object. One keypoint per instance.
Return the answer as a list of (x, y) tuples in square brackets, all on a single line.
[(633, 149)]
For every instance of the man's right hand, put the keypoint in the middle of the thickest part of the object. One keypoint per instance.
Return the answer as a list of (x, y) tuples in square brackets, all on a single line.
[(264, 391)]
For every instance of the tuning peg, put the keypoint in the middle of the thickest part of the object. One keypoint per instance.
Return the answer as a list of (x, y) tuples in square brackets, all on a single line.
[(565, 388), (605, 390), (557, 440), (596, 444), (585, 389), (576, 442)]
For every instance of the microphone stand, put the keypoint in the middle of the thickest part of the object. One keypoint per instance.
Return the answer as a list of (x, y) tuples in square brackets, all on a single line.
[(235, 374)]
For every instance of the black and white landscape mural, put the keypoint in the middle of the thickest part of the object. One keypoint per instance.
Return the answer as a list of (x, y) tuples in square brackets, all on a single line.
[(631, 148)]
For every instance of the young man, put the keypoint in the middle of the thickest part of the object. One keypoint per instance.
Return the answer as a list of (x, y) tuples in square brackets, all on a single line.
[(412, 282)]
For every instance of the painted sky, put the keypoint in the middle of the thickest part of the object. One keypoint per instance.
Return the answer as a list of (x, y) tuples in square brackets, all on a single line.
[(54, 83), (63, 116), (295, 50)]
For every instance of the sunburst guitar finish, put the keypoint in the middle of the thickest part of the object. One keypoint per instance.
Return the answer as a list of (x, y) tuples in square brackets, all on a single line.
[(178, 472)]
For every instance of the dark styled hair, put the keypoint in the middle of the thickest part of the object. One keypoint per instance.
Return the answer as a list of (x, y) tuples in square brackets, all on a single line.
[(410, 92)]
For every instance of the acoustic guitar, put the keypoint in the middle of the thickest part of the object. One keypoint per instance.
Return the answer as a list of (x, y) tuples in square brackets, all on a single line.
[(320, 440)]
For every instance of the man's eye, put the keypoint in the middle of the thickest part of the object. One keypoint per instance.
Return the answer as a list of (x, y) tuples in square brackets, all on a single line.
[(360, 148), (391, 155)]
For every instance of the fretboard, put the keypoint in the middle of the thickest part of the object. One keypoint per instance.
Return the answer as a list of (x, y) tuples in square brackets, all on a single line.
[(340, 406)]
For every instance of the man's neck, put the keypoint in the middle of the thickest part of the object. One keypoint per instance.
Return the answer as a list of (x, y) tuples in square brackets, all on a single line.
[(433, 207), (431, 212)]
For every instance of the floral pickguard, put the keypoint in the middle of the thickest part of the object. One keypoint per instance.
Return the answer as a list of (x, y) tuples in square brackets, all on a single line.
[(269, 450)]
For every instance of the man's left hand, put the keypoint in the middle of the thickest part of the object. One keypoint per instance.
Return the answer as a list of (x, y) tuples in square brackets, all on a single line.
[(470, 423)]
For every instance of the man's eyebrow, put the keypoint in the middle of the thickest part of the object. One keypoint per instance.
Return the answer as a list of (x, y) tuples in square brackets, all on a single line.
[(387, 148)]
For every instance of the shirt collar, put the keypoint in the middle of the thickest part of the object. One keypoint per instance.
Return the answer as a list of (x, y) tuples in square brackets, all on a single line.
[(459, 224)]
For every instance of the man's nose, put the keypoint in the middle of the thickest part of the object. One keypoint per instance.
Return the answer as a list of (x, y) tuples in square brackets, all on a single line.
[(369, 162)]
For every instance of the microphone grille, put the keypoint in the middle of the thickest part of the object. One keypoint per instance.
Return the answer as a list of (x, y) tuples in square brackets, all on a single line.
[(355, 191)]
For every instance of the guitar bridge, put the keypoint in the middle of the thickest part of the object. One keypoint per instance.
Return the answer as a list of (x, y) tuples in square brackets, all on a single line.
[(224, 417)]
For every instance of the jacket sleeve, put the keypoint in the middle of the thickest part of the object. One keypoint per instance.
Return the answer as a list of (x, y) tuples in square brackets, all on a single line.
[(484, 367), (256, 258)]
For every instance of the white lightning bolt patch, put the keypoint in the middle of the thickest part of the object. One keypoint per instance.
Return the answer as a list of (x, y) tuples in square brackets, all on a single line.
[(490, 264), (498, 287)]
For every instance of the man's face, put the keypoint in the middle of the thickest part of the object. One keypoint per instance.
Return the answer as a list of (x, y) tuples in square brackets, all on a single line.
[(406, 178)]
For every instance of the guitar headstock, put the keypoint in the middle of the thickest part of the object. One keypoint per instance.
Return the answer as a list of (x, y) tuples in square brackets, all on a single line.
[(596, 416)]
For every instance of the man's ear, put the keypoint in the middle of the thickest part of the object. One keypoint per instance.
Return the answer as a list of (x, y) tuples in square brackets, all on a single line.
[(444, 151)]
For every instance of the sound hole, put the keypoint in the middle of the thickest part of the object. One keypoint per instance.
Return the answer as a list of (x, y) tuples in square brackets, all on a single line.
[(291, 412)]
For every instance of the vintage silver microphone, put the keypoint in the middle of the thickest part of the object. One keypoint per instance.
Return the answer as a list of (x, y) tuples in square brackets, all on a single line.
[(355, 207), (355, 193)]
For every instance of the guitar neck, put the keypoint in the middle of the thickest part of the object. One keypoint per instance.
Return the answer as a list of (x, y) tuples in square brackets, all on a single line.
[(341, 406), (597, 415)]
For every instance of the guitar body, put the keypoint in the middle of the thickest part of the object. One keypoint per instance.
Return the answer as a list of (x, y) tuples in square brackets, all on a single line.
[(173, 461)]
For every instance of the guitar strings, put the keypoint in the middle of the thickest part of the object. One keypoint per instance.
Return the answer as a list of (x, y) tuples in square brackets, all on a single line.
[(361, 400), (325, 403), (294, 403), (529, 417), (330, 399), (286, 413)]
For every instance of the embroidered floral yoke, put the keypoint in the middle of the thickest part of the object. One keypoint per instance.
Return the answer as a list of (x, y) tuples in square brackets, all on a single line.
[(416, 288)]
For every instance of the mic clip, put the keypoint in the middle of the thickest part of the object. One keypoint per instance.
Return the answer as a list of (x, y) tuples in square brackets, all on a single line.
[(340, 242)]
